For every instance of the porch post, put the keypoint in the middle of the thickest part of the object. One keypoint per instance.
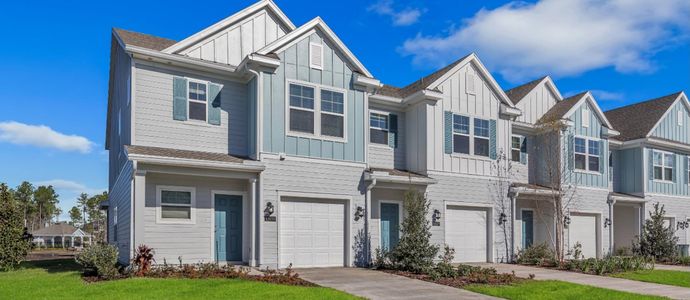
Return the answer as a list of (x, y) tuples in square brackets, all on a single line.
[(611, 202), (138, 204), (512, 194), (252, 220), (367, 210)]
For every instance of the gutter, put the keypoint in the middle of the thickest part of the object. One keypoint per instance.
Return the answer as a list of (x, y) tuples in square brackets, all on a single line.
[(181, 162)]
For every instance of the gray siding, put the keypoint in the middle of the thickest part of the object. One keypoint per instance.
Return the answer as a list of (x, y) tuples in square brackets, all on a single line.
[(309, 177), (335, 73), (120, 106), (669, 129), (383, 156), (600, 179), (416, 137), (677, 208), (154, 124), (120, 196), (629, 171), (536, 104)]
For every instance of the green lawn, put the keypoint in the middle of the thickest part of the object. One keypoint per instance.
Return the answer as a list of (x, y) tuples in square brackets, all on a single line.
[(551, 289), (677, 278), (60, 279)]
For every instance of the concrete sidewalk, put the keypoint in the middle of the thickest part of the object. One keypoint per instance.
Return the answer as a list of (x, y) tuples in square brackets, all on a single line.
[(672, 268), (379, 285), (618, 284)]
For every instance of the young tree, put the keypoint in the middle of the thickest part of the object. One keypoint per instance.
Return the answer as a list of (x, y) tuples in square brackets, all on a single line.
[(75, 216), (502, 169), (414, 252), (657, 239), (554, 142), (14, 244)]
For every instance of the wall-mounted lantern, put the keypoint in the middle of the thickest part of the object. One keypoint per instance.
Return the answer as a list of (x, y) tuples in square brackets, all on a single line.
[(607, 222), (566, 221), (502, 219), (268, 212), (359, 213), (683, 225), (436, 218)]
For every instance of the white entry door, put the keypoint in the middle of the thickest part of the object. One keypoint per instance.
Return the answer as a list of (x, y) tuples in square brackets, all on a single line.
[(583, 229), (467, 233), (312, 233)]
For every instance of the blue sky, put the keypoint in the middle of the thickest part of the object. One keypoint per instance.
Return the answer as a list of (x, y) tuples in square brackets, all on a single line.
[(54, 59)]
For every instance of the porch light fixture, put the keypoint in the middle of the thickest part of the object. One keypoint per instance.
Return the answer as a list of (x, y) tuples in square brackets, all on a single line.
[(270, 209), (566, 221), (359, 213), (502, 219), (437, 215), (683, 225), (607, 222)]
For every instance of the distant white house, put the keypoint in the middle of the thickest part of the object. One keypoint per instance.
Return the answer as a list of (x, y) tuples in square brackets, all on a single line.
[(61, 235)]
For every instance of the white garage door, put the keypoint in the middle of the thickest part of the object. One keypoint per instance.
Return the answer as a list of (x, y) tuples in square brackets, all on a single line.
[(312, 233), (466, 232), (583, 229)]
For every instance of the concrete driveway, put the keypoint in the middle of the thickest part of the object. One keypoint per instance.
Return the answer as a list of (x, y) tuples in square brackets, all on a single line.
[(612, 283), (379, 285)]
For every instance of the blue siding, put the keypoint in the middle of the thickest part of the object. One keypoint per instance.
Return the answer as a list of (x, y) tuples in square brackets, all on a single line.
[(629, 171), (593, 130), (335, 73), (251, 128), (679, 186), (668, 127)]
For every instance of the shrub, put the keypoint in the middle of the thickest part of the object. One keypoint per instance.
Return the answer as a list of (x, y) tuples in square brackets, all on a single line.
[(143, 259), (656, 240), (414, 252), (15, 242), (445, 269), (609, 265), (100, 259), (537, 254)]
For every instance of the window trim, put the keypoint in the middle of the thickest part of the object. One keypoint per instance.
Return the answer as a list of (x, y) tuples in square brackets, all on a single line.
[(519, 148), (317, 111), (192, 205), (205, 83), (587, 155), (469, 134), (487, 138), (663, 166), (332, 113), (387, 130)]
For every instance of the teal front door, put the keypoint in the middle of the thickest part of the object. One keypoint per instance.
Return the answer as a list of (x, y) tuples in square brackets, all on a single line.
[(228, 220), (527, 228), (390, 226)]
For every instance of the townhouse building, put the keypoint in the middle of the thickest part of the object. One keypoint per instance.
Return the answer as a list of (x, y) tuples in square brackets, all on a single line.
[(258, 142)]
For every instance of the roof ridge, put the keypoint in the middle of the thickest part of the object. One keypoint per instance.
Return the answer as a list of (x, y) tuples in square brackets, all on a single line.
[(433, 74), (519, 92), (676, 95)]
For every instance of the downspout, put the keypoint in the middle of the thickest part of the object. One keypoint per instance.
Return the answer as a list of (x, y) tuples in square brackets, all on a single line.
[(366, 220), (257, 153)]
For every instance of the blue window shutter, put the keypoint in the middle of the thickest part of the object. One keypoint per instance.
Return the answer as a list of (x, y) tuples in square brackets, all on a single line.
[(448, 132), (570, 151), (179, 98), (603, 159), (687, 169), (214, 103), (492, 139), (523, 150), (675, 169), (650, 163), (393, 131)]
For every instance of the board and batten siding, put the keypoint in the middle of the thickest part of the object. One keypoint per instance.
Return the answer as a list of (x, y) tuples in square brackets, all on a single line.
[(416, 137), (191, 242), (155, 126), (669, 129), (628, 175), (679, 186), (484, 103), (120, 196), (595, 180), (335, 73), (536, 104), (120, 129), (234, 43)]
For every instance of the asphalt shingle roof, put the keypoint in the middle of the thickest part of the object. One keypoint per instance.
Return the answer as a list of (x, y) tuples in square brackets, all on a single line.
[(559, 110), (56, 229), (183, 154), (143, 40), (519, 92), (396, 172), (637, 120), (421, 84)]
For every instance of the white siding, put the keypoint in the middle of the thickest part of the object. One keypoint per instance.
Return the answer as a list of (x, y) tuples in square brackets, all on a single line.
[(380, 156), (383, 156), (154, 124), (231, 44), (536, 104), (676, 207), (416, 138)]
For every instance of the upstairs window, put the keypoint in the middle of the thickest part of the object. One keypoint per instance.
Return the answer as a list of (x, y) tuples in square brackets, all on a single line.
[(332, 114), (587, 154), (461, 134), (301, 108), (515, 147), (378, 128), (197, 100), (481, 137), (663, 166)]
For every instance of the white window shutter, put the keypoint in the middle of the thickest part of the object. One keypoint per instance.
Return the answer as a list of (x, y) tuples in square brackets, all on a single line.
[(316, 56)]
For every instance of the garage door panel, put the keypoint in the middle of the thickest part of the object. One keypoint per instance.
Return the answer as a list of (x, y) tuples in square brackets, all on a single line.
[(583, 229), (314, 235), (466, 232)]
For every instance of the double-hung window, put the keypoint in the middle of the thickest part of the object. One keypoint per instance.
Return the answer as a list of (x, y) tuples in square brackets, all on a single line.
[(378, 128), (176, 203), (301, 108), (332, 113), (481, 137), (587, 154), (515, 148), (663, 165), (461, 134), (197, 100)]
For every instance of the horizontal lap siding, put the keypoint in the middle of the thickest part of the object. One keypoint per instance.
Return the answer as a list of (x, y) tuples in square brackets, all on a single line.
[(592, 200), (191, 242), (308, 177), (120, 196), (380, 157), (120, 105), (335, 73), (676, 207), (155, 125)]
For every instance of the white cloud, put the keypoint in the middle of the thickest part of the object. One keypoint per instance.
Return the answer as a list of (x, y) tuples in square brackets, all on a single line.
[(42, 136), (608, 95), (405, 17), (70, 187), (560, 37)]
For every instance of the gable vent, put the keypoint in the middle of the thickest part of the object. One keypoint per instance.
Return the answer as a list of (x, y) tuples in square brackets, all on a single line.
[(470, 84), (316, 56)]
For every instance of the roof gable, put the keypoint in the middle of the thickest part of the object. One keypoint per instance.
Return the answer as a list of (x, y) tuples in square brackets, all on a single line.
[(565, 108), (519, 93), (131, 38), (306, 30), (638, 120), (230, 21)]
